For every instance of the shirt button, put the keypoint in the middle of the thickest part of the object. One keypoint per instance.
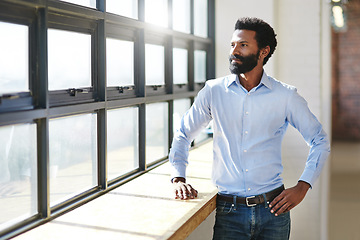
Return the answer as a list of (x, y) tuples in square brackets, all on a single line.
[(246, 132), (245, 150), (247, 113), (249, 189), (246, 170)]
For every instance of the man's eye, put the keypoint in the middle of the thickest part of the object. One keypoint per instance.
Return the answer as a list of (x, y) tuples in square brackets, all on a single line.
[(244, 45)]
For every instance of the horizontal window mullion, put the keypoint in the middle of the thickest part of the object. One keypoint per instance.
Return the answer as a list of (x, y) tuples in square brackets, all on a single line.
[(76, 24), (121, 92), (118, 32), (71, 96), (9, 11), (75, 109), (21, 116)]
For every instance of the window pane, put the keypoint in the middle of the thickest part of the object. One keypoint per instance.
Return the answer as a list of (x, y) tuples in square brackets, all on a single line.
[(200, 66), (69, 59), (119, 62), (180, 107), (200, 18), (87, 3), (14, 58), (156, 12), (181, 15), (73, 154), (154, 64), (180, 66), (122, 140), (156, 131), (127, 8), (18, 173)]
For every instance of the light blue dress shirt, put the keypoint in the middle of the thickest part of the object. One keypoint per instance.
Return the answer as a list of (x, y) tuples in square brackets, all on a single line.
[(248, 128)]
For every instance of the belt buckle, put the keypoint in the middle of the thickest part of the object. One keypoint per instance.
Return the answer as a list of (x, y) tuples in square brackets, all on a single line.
[(247, 201)]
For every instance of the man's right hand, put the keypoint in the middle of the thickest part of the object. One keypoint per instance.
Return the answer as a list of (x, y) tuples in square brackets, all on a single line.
[(183, 190)]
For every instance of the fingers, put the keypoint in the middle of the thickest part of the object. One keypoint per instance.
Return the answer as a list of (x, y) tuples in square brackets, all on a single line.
[(281, 207), (282, 204), (185, 191)]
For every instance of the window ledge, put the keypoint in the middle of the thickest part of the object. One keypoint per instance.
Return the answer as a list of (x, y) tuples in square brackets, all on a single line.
[(143, 208)]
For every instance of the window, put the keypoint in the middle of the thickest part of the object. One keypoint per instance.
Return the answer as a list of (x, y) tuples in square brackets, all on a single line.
[(90, 94), (181, 17), (123, 141), (119, 62), (69, 60), (154, 65), (72, 144), (18, 178), (87, 3), (14, 61), (201, 18), (200, 66), (15, 92), (180, 66), (156, 132), (156, 12), (126, 8)]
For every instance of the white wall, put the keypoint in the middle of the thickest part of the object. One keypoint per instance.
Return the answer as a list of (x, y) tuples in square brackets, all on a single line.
[(301, 59), (227, 12)]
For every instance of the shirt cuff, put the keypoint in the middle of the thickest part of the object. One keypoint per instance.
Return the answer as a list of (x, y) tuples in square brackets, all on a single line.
[(308, 176), (178, 170)]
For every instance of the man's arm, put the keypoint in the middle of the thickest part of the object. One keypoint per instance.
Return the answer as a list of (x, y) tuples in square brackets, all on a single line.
[(196, 119), (183, 190), (289, 198), (300, 116)]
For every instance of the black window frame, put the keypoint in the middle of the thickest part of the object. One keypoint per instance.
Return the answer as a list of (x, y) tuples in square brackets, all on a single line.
[(40, 105)]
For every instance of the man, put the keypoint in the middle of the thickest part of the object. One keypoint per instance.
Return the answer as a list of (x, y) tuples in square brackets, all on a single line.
[(250, 113)]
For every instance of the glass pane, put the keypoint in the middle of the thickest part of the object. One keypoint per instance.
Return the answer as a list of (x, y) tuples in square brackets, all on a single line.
[(127, 8), (122, 140), (14, 58), (200, 18), (180, 107), (180, 66), (200, 66), (69, 59), (156, 131), (154, 64), (87, 3), (73, 155), (119, 62), (18, 173), (156, 12), (181, 17)]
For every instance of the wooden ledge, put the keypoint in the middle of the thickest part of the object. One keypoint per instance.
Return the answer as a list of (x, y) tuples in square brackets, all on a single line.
[(143, 208)]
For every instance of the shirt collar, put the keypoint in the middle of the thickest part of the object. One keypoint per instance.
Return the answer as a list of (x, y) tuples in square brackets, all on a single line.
[(233, 78)]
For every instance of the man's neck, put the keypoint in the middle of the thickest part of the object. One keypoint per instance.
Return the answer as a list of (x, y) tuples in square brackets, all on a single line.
[(251, 79)]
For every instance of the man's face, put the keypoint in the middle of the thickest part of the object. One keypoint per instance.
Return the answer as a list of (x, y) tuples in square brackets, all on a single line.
[(244, 53)]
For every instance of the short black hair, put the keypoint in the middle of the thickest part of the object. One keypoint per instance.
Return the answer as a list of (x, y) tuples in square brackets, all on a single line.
[(265, 35)]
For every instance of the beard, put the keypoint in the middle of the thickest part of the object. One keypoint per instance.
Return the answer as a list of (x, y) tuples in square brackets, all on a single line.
[(248, 63)]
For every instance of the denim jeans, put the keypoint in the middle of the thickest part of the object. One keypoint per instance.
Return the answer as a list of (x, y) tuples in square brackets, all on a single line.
[(238, 221)]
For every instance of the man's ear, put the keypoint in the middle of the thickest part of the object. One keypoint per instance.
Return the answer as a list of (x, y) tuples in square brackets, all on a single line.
[(265, 51)]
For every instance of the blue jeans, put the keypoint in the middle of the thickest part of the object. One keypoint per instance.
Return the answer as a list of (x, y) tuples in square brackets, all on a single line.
[(238, 221)]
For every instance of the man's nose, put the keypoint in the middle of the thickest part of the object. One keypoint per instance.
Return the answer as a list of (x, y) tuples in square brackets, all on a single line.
[(235, 50)]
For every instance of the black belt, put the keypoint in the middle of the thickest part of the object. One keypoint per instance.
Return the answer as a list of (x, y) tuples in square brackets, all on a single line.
[(253, 200)]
